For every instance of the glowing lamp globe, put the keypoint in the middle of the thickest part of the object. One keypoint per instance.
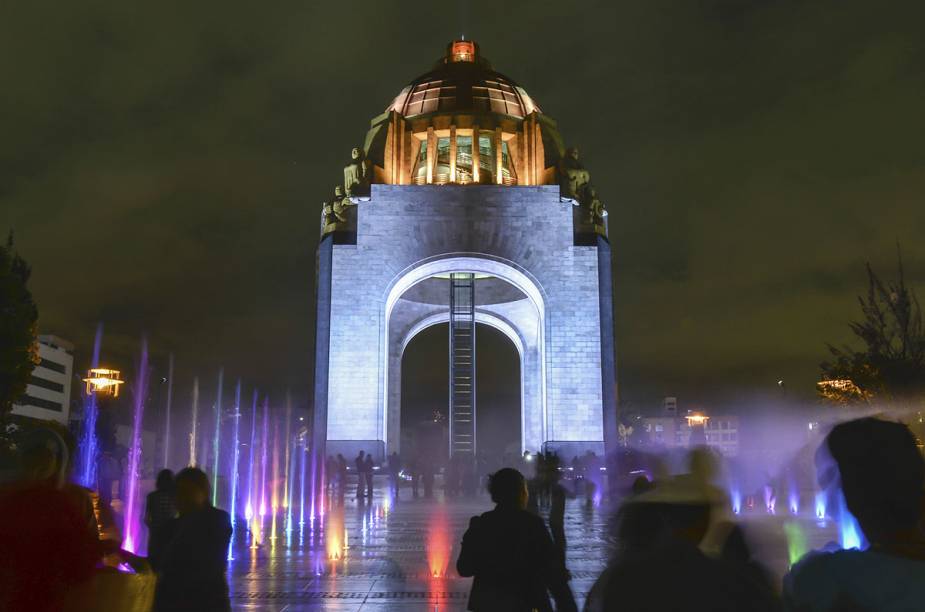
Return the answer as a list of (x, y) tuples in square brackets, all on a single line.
[(104, 381)]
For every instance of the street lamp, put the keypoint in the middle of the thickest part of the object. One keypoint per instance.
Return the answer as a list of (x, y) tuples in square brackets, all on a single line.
[(104, 381)]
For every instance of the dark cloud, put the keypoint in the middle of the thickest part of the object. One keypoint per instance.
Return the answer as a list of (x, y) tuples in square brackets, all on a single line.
[(163, 164)]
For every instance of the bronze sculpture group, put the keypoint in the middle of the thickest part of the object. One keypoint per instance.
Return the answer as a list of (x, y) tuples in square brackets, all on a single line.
[(574, 184), (358, 174)]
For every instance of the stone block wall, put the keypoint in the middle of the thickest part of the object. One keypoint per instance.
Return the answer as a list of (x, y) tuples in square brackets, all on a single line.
[(525, 232)]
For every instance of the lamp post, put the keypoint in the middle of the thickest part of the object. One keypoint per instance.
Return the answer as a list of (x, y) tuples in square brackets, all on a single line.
[(104, 381)]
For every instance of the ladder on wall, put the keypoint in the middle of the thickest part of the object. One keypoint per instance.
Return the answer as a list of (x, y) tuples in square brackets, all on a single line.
[(462, 364)]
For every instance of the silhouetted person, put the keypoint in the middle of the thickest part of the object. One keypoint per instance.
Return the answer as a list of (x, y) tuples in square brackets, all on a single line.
[(736, 551), (641, 484), (341, 473), (451, 477), (160, 507), (510, 554), (47, 550), (361, 473), (192, 575), (330, 473), (427, 479), (558, 496), (659, 534), (467, 476), (415, 470), (368, 472), (882, 475), (107, 474), (394, 473)]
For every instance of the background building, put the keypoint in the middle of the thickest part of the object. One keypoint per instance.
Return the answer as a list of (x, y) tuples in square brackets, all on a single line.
[(48, 394), (670, 431), (722, 432)]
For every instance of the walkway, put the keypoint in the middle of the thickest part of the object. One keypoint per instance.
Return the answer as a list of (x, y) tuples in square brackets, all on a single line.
[(398, 556)]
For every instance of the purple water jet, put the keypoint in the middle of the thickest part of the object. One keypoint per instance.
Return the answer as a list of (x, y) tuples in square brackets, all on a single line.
[(250, 503), (89, 444), (167, 410), (132, 524), (195, 416), (217, 438), (302, 452), (263, 457), (234, 463)]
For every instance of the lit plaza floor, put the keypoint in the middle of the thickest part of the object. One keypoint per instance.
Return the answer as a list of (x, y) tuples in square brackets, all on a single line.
[(394, 549)]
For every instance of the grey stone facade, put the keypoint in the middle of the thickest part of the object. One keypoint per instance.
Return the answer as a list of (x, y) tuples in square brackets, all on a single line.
[(521, 234)]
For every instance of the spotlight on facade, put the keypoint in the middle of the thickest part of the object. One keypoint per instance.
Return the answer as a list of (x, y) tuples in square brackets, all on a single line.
[(104, 381)]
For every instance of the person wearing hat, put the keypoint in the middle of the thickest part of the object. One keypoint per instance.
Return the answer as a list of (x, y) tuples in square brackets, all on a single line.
[(659, 533)]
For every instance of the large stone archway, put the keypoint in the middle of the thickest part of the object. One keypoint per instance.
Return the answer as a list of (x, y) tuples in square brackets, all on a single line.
[(518, 314), (524, 236)]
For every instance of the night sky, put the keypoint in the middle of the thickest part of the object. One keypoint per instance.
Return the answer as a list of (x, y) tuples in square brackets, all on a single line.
[(163, 167)]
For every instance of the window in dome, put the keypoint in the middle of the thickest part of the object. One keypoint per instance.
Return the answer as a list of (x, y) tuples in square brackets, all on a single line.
[(420, 167), (508, 176), (463, 159), (442, 171), (486, 157)]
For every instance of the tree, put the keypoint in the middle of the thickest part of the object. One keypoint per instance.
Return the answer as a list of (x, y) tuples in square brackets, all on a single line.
[(891, 364), (18, 322)]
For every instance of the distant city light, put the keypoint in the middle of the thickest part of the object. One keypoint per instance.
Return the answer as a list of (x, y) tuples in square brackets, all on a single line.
[(841, 390), (104, 380), (696, 418)]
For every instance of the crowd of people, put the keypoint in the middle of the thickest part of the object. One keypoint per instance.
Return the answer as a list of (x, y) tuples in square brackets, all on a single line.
[(461, 477), (675, 549), (675, 545)]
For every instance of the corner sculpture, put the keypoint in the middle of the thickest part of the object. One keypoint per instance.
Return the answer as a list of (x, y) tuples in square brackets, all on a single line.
[(573, 178), (596, 207), (358, 174), (575, 184), (334, 213), (357, 179)]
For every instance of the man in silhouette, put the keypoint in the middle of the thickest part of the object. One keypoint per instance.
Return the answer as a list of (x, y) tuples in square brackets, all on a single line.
[(511, 555), (882, 475), (160, 507), (341, 478), (192, 574), (368, 473), (394, 473), (361, 473)]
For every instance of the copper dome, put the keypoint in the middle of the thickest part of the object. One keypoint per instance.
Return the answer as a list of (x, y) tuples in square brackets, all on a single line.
[(463, 82)]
